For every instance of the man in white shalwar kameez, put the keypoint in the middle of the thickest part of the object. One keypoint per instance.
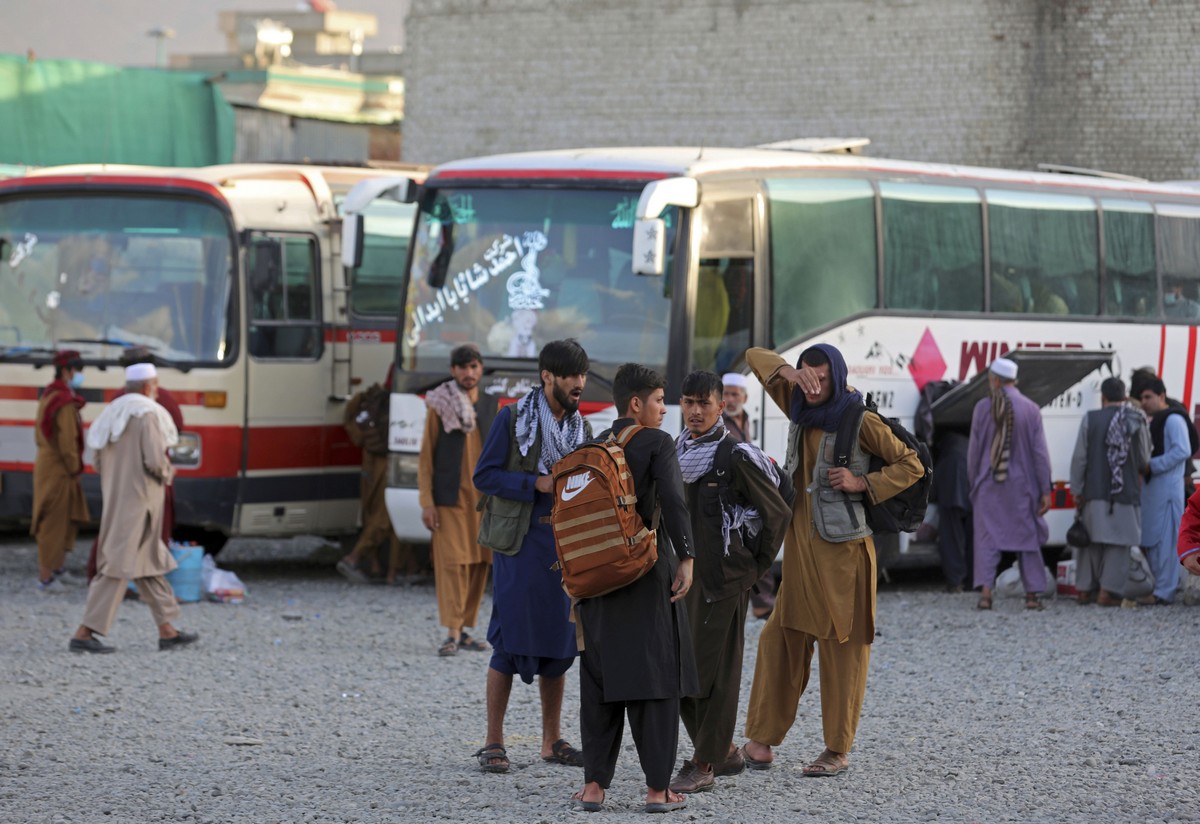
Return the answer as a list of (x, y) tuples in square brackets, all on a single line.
[(129, 440)]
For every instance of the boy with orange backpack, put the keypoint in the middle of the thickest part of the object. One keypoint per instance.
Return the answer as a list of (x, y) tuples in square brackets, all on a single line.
[(637, 652)]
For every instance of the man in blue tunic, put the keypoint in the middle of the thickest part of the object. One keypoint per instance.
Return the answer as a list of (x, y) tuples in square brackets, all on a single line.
[(1162, 496), (530, 630)]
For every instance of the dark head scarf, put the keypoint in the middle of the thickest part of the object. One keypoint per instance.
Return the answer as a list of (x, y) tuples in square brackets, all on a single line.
[(829, 414)]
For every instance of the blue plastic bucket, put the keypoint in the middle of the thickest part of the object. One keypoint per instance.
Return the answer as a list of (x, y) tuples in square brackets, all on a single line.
[(185, 579)]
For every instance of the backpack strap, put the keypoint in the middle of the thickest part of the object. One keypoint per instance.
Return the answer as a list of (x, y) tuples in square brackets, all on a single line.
[(847, 434)]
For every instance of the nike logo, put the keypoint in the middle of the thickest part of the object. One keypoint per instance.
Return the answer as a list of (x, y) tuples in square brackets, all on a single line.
[(576, 484)]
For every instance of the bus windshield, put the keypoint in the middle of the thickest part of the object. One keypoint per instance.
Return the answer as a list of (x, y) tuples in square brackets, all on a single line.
[(511, 269), (103, 271)]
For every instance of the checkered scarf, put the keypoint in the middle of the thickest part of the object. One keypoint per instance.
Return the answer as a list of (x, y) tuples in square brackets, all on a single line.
[(453, 406), (558, 438), (696, 456), (1116, 444)]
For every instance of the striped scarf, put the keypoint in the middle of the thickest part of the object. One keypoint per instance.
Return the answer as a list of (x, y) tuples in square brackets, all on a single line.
[(1001, 452)]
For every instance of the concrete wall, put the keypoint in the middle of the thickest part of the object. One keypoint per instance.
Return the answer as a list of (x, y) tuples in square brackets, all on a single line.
[(1101, 83)]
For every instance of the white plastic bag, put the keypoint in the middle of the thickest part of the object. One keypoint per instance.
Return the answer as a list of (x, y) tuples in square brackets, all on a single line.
[(1008, 583), (1140, 582), (221, 584)]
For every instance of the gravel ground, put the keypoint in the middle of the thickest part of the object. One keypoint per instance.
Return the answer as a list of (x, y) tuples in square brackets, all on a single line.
[(319, 701)]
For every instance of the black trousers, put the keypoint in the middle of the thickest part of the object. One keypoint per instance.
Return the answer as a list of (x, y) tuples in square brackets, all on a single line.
[(955, 545), (654, 724), (718, 636)]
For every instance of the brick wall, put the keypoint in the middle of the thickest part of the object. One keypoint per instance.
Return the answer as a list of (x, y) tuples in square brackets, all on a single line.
[(1101, 83)]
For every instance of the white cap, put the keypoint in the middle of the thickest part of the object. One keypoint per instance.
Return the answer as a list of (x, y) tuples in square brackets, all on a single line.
[(140, 372), (734, 379), (1004, 368)]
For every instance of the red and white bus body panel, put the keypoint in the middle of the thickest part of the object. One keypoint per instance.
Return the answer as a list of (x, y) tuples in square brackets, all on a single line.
[(275, 459)]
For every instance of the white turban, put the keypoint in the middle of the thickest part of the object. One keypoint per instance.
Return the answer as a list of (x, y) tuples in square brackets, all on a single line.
[(140, 372), (1004, 368), (734, 379)]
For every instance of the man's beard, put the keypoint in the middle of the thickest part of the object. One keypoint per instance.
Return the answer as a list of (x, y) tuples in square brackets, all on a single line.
[(466, 388), (565, 400)]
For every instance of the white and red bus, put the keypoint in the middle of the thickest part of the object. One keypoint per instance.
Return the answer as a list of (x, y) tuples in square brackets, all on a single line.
[(681, 258), (231, 275)]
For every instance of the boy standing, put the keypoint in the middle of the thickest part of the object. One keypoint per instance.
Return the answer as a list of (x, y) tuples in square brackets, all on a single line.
[(739, 519), (637, 653)]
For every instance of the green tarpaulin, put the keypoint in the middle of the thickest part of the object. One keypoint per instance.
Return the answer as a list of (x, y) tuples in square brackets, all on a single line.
[(68, 111)]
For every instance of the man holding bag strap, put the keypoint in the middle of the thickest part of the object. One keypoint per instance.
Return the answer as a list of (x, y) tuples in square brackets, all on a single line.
[(530, 631)]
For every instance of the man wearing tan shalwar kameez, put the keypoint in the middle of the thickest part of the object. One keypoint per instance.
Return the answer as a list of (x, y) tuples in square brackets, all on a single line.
[(58, 503), (456, 422), (827, 597), (130, 439)]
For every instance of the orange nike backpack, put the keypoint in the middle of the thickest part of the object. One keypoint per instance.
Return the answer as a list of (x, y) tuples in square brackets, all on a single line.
[(601, 541)]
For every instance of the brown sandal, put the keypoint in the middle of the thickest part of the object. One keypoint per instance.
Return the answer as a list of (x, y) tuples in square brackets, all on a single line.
[(1034, 602), (985, 602)]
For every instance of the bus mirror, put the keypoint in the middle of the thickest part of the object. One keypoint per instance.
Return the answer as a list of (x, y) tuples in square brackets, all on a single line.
[(352, 241), (671, 191), (649, 246)]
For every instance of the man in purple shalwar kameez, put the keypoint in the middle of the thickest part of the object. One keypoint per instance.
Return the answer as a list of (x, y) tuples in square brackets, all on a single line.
[(1008, 464)]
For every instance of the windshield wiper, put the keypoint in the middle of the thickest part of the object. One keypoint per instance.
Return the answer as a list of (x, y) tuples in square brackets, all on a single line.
[(159, 360), (100, 341), (14, 351)]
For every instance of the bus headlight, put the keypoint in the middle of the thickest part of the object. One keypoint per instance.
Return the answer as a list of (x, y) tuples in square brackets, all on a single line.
[(402, 469), (187, 451)]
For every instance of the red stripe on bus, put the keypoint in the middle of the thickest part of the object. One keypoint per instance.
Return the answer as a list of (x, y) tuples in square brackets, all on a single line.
[(342, 335), (1191, 368), (1162, 346), (19, 393), (99, 181)]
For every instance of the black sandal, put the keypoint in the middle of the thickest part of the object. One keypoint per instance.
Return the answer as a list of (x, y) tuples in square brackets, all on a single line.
[(563, 753), (493, 753), (449, 647)]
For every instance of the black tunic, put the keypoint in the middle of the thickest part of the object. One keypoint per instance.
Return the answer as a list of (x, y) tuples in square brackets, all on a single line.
[(641, 639)]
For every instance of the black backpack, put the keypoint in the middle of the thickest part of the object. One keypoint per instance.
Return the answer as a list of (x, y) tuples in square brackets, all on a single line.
[(905, 511)]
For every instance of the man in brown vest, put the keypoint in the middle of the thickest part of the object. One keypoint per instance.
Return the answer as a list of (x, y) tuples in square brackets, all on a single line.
[(458, 420)]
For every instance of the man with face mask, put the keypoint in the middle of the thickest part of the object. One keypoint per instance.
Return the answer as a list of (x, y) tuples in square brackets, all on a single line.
[(530, 631), (58, 503), (129, 440), (827, 598)]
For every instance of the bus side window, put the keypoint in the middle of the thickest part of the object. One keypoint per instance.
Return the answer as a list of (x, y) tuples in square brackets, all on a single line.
[(1179, 250), (1129, 265), (284, 309), (1045, 253), (932, 247)]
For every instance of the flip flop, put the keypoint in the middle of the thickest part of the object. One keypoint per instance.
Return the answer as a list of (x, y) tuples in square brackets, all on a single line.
[(665, 806), (468, 643), (563, 753), (577, 803), (825, 768), (752, 762), (351, 573)]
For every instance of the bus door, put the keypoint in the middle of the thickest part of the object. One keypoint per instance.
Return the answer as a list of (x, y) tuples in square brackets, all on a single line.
[(727, 318), (287, 386)]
